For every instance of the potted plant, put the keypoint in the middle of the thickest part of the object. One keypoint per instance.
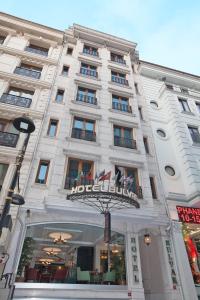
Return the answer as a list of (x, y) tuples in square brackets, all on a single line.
[(26, 256)]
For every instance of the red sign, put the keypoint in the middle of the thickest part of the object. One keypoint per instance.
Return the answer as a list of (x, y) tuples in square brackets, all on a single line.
[(188, 214)]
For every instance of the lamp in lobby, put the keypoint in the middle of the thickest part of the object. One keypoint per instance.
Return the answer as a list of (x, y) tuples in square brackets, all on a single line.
[(60, 237), (24, 125), (147, 239)]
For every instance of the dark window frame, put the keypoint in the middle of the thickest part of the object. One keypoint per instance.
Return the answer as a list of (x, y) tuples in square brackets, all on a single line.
[(59, 93)]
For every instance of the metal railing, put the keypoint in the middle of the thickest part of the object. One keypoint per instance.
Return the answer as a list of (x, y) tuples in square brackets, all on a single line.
[(88, 72), (73, 182), (83, 134), (122, 107), (132, 187), (119, 80), (124, 142), (118, 60), (8, 139), (15, 100), (90, 52), (37, 51), (86, 99), (27, 72)]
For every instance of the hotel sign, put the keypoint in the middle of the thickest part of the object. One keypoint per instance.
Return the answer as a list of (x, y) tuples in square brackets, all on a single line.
[(188, 214), (104, 192)]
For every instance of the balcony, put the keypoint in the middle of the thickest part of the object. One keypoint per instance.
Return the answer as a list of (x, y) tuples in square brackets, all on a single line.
[(73, 182), (83, 134), (15, 100), (118, 60), (37, 51), (90, 52), (8, 139), (124, 142), (86, 99), (27, 72), (119, 80), (122, 107), (88, 72)]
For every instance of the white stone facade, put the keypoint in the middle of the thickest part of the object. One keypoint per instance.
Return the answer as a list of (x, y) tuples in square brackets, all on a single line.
[(46, 202)]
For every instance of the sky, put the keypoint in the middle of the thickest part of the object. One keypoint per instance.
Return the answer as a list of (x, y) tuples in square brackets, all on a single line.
[(167, 31)]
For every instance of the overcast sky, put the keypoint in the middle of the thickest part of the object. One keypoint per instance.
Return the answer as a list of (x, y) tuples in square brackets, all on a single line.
[(167, 31)]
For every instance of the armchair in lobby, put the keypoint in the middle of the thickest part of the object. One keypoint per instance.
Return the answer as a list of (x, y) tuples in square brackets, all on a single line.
[(60, 275), (83, 276), (109, 277)]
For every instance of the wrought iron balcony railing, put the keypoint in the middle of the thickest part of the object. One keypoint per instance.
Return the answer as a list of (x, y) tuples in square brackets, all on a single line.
[(88, 72), (119, 80), (73, 182), (37, 51), (16, 100), (118, 60), (27, 72), (122, 107), (86, 99), (132, 187), (124, 142), (83, 134), (8, 139), (90, 52)]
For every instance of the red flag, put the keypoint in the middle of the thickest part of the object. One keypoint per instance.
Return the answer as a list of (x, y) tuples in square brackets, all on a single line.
[(106, 176)]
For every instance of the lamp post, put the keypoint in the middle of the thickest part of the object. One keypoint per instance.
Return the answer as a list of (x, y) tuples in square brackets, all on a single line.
[(25, 125)]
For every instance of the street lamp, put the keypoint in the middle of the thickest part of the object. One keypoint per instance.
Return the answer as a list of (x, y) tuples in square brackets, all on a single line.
[(25, 125)]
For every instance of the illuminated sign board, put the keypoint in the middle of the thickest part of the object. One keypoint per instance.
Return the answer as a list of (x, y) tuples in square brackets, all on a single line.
[(188, 214)]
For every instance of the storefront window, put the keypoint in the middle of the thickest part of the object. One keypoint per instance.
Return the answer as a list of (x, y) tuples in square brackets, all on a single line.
[(71, 253)]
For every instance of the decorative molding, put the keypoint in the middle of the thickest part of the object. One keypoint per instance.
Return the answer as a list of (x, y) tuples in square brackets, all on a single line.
[(123, 122), (89, 59), (121, 93), (81, 141), (126, 162), (87, 84), (15, 78), (13, 111), (81, 155), (85, 114), (120, 85), (118, 69), (116, 111), (117, 148), (85, 104)]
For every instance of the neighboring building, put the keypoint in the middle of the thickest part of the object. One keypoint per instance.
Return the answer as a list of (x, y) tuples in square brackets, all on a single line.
[(172, 99), (91, 113)]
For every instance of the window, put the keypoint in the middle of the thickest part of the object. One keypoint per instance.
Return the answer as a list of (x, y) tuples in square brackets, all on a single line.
[(20, 92), (65, 70), (3, 171), (169, 170), (79, 172), (88, 70), (136, 88), (140, 113), (146, 146), (117, 58), (17, 97), (29, 70), (59, 96), (52, 130), (42, 172), (198, 106), (121, 103), (161, 133), (154, 104), (37, 50), (123, 137), (194, 134), (84, 129), (69, 50), (128, 178), (119, 78), (2, 39), (86, 95), (184, 105), (90, 50), (153, 187)]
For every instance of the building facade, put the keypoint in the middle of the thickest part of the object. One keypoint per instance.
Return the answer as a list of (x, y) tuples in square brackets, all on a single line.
[(89, 97)]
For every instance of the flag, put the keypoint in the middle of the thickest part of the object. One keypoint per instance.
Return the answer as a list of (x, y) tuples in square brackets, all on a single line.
[(106, 176), (89, 175), (101, 174), (79, 175)]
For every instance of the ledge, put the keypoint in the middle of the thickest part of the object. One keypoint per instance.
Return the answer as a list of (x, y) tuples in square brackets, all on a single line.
[(81, 141), (88, 85), (122, 112), (126, 162), (88, 77), (85, 114), (118, 68), (90, 59), (30, 55), (15, 110), (121, 93), (117, 148), (85, 104), (28, 82), (120, 85)]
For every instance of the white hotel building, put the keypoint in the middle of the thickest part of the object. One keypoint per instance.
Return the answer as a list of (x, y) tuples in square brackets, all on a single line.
[(95, 107)]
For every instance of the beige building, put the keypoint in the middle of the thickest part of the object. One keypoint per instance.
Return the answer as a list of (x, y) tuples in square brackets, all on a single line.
[(93, 131)]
